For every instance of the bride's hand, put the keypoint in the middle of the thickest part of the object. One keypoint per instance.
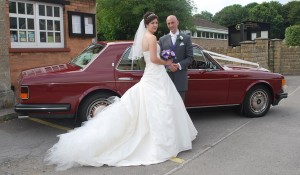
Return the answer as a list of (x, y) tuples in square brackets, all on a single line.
[(169, 61)]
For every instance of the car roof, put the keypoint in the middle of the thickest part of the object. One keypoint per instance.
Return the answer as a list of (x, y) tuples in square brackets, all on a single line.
[(114, 42)]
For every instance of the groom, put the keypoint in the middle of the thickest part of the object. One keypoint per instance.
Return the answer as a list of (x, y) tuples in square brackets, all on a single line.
[(181, 44)]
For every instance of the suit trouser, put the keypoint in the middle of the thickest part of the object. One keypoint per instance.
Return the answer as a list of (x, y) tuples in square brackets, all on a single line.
[(182, 94)]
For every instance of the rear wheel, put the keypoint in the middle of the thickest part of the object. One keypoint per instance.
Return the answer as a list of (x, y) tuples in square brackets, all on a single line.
[(92, 103), (257, 102)]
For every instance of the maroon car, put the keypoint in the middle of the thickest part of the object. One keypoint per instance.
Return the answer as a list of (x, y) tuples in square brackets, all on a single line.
[(103, 70)]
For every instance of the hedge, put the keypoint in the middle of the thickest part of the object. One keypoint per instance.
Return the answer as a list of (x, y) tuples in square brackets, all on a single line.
[(292, 35)]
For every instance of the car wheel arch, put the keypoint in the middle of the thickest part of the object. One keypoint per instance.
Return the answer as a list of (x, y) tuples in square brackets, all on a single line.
[(260, 83), (257, 87), (91, 93)]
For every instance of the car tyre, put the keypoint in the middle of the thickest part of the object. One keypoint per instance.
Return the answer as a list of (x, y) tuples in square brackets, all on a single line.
[(257, 102), (91, 103)]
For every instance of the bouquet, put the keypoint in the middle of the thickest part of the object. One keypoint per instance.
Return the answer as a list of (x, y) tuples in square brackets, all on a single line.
[(168, 54)]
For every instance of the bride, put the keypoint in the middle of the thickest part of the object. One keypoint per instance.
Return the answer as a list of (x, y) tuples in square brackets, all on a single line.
[(148, 124)]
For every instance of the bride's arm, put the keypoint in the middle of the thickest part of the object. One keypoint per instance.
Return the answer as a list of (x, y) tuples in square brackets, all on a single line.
[(153, 52)]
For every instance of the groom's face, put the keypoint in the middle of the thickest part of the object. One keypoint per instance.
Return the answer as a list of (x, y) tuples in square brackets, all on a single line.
[(172, 24)]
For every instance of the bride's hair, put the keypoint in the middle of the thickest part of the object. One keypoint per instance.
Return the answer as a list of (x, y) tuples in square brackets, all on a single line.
[(148, 17)]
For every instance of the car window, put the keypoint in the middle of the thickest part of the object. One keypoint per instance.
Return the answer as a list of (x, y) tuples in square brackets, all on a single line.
[(200, 60), (90, 53), (128, 64)]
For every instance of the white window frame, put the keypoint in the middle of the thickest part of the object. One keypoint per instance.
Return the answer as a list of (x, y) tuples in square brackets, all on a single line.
[(36, 17)]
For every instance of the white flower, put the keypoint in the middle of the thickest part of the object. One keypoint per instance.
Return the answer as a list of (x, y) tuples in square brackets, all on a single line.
[(181, 37)]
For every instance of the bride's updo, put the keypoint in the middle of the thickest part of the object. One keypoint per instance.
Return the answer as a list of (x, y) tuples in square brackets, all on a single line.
[(148, 17)]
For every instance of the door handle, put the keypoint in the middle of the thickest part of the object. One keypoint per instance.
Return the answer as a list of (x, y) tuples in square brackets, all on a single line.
[(125, 78)]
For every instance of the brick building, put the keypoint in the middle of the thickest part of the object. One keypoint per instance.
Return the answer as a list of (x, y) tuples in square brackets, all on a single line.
[(209, 34), (45, 32)]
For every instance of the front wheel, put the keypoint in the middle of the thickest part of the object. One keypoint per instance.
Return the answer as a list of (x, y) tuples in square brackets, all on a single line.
[(92, 103), (257, 102)]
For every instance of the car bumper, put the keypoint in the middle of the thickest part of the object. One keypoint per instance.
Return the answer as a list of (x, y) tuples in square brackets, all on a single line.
[(41, 108), (279, 97)]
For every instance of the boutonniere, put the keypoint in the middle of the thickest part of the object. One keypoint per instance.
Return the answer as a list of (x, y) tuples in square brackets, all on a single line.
[(180, 38)]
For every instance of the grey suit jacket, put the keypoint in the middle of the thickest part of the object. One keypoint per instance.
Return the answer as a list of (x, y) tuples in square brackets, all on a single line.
[(184, 56)]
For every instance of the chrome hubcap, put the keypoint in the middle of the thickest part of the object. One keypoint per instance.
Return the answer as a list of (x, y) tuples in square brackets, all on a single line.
[(96, 107), (258, 101)]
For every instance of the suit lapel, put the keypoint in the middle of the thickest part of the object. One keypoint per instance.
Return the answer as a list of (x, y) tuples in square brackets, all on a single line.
[(169, 41), (178, 41)]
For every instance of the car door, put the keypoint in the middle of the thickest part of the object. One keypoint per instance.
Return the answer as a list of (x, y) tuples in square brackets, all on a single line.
[(128, 72), (208, 82)]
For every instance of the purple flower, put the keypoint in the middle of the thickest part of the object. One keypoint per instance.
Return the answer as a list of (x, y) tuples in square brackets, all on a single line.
[(168, 54)]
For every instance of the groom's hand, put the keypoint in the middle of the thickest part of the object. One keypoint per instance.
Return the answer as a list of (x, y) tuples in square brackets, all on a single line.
[(173, 67)]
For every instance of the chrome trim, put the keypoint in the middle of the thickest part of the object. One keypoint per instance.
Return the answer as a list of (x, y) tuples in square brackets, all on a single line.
[(125, 79), (42, 107), (212, 106)]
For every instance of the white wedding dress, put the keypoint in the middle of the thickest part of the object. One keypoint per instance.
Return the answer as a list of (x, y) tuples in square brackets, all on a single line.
[(148, 124)]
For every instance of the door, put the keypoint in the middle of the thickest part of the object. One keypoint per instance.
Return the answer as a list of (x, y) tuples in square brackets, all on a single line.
[(128, 72), (208, 82)]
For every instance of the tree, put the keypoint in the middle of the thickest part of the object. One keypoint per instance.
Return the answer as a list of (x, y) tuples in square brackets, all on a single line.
[(230, 15), (119, 19), (204, 15), (269, 12), (291, 12)]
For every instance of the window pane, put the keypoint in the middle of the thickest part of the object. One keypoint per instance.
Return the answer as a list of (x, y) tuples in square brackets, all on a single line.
[(30, 23), (57, 37), (57, 25), (21, 8), (49, 25), (22, 23), (56, 12), (50, 37), (13, 23), (206, 35), (22, 36), (203, 34), (42, 37), (49, 11), (41, 10), (14, 36), (31, 37), (12, 7), (29, 9), (42, 24)]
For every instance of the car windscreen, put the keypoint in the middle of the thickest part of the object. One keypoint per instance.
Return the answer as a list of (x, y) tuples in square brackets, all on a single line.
[(89, 54)]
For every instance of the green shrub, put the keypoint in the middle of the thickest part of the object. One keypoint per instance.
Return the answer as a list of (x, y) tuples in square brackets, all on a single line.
[(292, 35)]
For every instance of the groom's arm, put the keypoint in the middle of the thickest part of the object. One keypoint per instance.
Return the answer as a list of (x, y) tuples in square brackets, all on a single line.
[(189, 56), (160, 44)]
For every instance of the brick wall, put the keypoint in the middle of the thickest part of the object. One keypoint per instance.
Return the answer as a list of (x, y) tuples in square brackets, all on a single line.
[(21, 60), (271, 54)]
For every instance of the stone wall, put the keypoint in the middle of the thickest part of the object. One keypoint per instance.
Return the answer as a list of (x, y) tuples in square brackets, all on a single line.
[(285, 59), (270, 54)]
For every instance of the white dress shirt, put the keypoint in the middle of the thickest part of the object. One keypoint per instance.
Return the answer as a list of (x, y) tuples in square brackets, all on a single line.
[(174, 36)]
